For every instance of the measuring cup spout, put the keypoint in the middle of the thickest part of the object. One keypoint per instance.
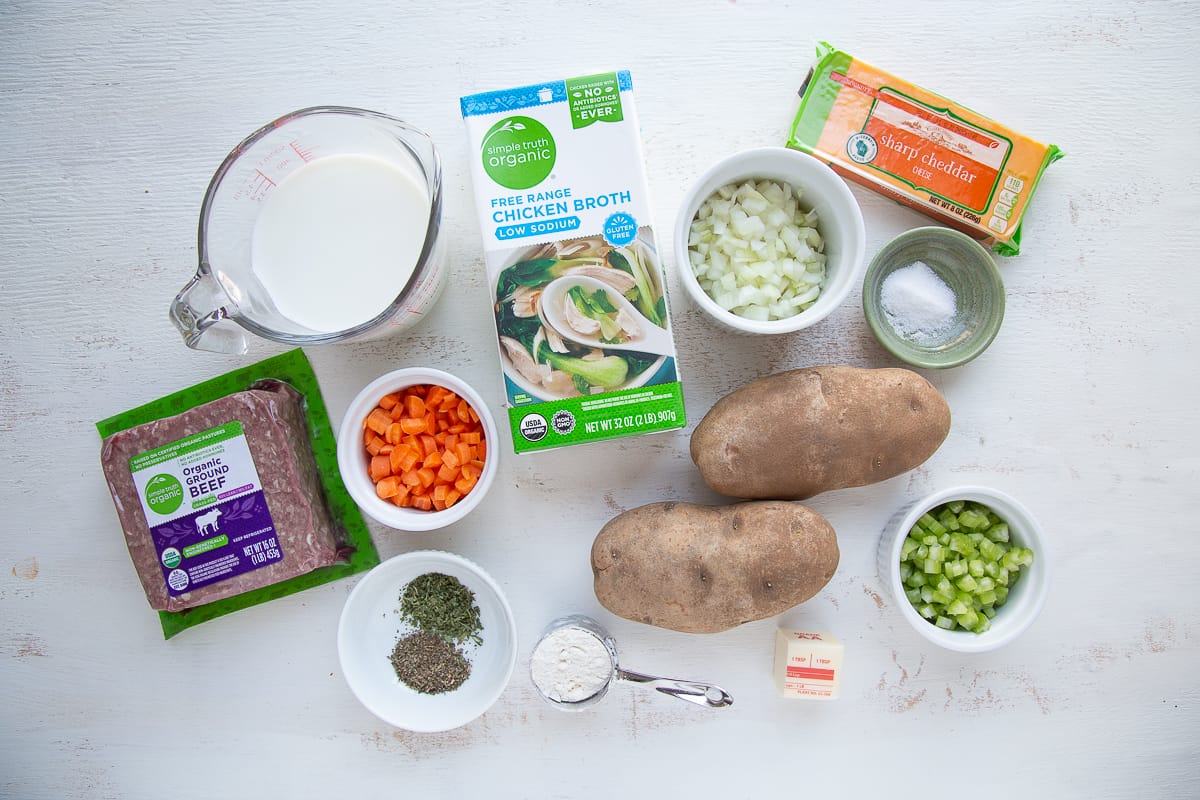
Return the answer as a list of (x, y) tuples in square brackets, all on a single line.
[(199, 312)]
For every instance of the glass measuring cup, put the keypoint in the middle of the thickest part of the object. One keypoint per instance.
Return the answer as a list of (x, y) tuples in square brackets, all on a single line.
[(593, 691), (226, 297)]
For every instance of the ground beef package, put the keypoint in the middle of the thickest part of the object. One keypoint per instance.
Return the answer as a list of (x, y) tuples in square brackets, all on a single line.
[(228, 493)]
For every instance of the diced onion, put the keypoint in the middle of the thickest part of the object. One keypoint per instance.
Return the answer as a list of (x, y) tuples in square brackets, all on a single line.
[(755, 252)]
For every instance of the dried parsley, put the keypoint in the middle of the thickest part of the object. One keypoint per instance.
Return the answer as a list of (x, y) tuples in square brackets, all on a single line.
[(441, 605), (429, 664)]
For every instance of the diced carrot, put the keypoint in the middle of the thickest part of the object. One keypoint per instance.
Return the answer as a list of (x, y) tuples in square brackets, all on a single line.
[(435, 395), (388, 487), (395, 433), (412, 425), (426, 476), (414, 406), (378, 420), (427, 447), (381, 467)]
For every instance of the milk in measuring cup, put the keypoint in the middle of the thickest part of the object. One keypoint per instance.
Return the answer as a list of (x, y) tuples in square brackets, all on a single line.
[(338, 239)]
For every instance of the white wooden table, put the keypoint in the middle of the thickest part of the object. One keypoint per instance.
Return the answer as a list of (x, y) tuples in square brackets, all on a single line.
[(112, 118)]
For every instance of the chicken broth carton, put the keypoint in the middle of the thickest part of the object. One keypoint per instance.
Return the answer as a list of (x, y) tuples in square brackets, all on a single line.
[(572, 264)]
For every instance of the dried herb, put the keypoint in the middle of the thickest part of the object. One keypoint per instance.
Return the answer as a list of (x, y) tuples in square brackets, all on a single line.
[(429, 664), (441, 605)]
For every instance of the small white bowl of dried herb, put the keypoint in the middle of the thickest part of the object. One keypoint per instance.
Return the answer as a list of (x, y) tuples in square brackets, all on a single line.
[(427, 641)]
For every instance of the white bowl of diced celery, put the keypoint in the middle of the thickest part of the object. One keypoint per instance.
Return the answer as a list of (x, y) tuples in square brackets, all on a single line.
[(968, 567)]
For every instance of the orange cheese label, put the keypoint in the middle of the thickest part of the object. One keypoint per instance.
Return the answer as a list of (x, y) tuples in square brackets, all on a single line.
[(917, 147)]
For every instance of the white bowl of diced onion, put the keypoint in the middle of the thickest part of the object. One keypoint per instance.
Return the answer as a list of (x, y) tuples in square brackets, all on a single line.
[(769, 240)]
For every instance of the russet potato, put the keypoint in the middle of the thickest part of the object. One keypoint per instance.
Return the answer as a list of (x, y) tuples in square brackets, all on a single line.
[(796, 434), (704, 569)]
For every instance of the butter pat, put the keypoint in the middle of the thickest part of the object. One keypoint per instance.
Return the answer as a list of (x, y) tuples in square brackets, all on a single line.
[(808, 665)]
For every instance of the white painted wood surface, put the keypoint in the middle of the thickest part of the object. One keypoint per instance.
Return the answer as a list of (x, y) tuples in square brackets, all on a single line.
[(112, 118)]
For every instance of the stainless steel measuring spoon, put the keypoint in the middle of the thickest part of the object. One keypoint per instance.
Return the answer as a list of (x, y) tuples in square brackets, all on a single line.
[(703, 694)]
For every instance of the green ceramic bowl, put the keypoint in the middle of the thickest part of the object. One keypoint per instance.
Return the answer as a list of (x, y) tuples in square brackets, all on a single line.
[(966, 268)]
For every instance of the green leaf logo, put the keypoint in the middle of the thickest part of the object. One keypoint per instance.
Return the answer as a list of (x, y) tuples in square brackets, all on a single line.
[(518, 152)]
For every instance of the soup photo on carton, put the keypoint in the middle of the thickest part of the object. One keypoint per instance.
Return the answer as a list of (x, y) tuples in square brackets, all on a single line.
[(583, 330)]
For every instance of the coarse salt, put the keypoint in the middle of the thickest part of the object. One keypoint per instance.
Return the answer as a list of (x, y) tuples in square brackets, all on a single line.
[(918, 304)]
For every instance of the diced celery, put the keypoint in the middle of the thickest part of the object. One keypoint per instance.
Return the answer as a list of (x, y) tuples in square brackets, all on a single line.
[(957, 564), (972, 520), (962, 545), (932, 525), (969, 619), (954, 569), (948, 519), (990, 550)]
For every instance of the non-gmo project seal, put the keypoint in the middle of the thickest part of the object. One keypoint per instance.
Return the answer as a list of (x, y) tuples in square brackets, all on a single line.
[(563, 422)]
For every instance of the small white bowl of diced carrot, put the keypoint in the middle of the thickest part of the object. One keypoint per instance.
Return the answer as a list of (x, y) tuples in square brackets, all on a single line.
[(417, 449)]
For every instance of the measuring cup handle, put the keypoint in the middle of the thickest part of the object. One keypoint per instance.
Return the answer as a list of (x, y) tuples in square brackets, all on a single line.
[(199, 312), (703, 694)]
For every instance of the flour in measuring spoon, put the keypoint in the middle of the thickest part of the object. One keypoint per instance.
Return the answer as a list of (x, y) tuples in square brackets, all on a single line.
[(570, 664), (337, 240)]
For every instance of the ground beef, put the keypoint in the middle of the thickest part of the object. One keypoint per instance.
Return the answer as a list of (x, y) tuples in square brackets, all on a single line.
[(274, 425)]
